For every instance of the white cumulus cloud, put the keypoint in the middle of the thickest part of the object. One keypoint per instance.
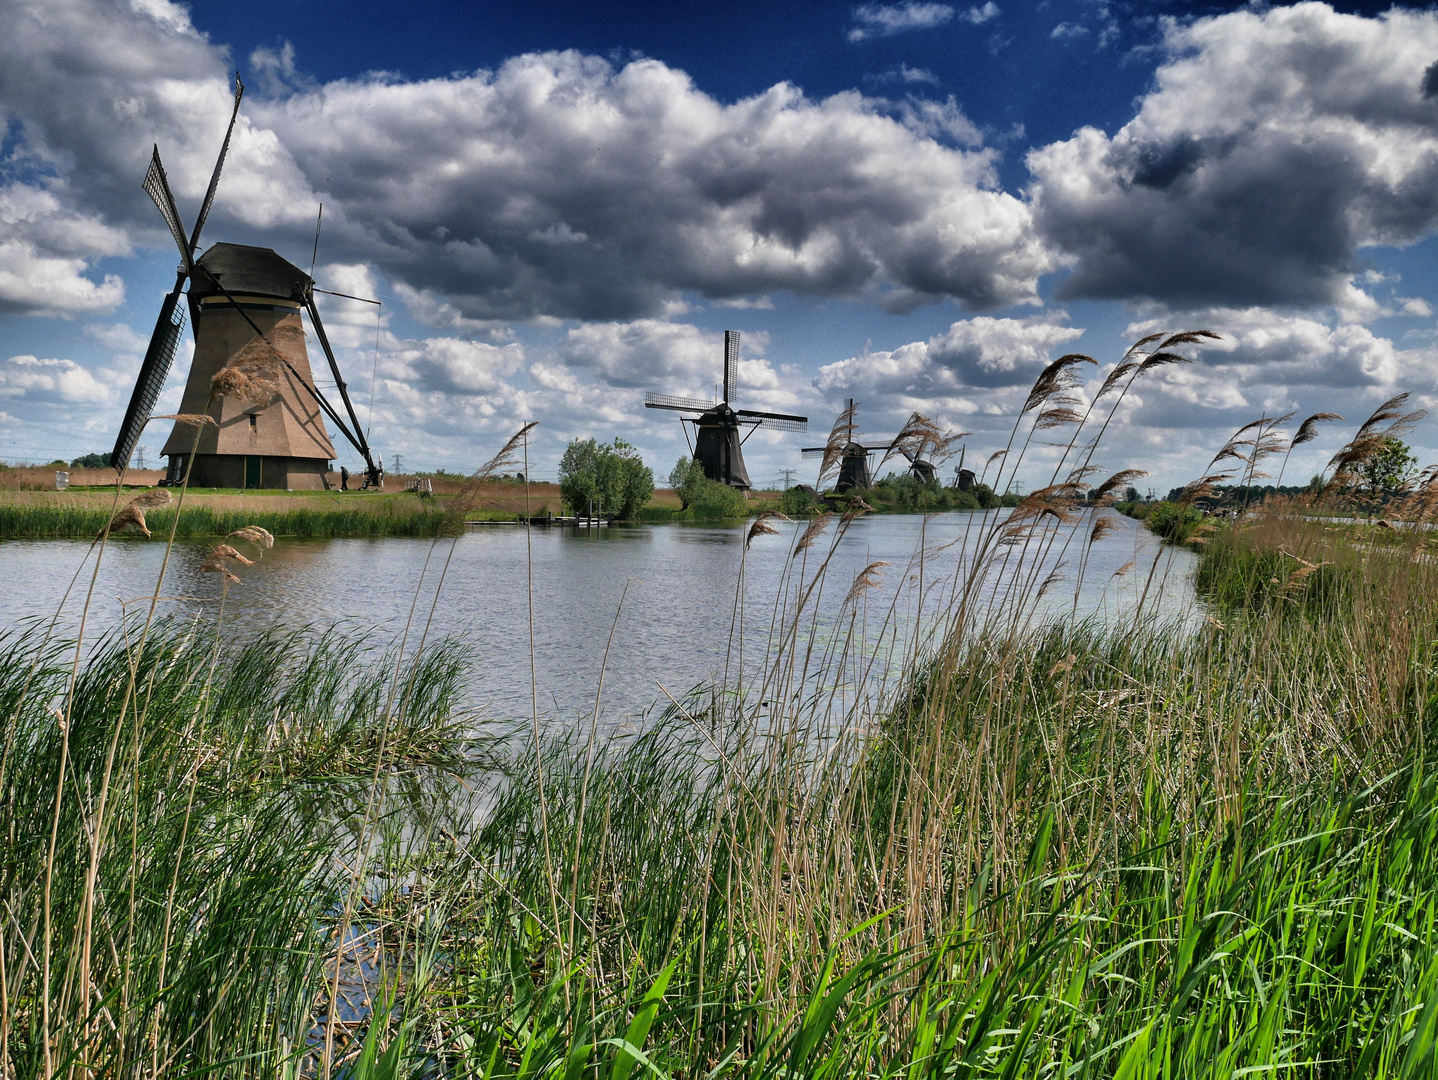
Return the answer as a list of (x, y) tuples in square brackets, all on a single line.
[(1274, 145), (884, 20)]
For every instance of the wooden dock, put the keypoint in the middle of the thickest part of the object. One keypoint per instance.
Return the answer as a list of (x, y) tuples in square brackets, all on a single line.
[(547, 521)]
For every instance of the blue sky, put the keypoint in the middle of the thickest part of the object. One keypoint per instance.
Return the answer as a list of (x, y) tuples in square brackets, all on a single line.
[(913, 204)]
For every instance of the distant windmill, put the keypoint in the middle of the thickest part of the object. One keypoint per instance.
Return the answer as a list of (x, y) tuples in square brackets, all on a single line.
[(920, 468), (717, 440), (244, 304), (853, 456)]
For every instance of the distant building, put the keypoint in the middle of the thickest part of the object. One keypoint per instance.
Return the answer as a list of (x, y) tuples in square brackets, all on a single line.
[(965, 479)]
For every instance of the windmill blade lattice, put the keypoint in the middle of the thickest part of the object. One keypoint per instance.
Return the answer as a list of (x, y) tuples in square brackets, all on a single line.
[(731, 364), (154, 369), (157, 186), (673, 401)]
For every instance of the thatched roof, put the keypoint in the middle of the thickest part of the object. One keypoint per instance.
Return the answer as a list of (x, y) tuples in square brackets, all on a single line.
[(248, 271)]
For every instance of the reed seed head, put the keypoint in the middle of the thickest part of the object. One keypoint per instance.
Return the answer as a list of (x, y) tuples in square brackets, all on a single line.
[(133, 512), (813, 531), (256, 535), (864, 580), (1308, 430), (761, 527)]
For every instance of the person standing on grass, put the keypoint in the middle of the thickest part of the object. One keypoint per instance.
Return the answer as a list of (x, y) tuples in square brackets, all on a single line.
[(344, 479)]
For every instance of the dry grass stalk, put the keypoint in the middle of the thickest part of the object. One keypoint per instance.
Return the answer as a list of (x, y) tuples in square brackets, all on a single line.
[(840, 436), (133, 512), (857, 507), (866, 579), (813, 531), (1123, 570), (761, 527)]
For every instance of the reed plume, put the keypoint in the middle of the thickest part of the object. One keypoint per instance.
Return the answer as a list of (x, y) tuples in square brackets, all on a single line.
[(840, 436), (761, 526), (864, 580), (506, 458), (813, 531), (1370, 438), (133, 512), (920, 436)]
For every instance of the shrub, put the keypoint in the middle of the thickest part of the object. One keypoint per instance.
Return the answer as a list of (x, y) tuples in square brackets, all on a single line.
[(1173, 522), (800, 500), (711, 499)]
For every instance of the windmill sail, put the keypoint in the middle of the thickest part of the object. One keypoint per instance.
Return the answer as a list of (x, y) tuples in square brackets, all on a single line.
[(158, 188), (731, 364), (777, 421), (680, 404), (219, 166), (154, 369)]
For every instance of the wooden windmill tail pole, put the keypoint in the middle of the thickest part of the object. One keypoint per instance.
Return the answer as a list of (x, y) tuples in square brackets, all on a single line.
[(361, 444)]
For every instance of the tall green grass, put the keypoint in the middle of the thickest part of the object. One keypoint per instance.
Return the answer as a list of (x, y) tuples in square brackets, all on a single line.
[(49, 521), (175, 901)]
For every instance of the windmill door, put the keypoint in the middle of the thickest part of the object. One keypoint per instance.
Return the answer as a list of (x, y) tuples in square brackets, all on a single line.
[(252, 471)]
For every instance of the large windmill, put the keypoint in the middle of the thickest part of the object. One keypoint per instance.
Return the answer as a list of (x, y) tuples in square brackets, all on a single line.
[(717, 429), (244, 304)]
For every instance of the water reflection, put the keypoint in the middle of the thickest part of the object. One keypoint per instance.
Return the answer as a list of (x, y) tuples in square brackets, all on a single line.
[(683, 618)]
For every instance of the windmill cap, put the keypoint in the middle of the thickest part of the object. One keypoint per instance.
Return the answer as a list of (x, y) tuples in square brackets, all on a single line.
[(253, 271)]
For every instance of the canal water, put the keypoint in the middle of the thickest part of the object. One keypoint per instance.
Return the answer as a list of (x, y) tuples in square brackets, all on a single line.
[(669, 595)]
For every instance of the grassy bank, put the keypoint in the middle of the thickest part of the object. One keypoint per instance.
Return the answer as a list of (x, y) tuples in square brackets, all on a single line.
[(55, 520)]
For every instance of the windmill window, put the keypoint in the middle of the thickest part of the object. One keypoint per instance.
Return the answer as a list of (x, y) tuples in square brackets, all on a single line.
[(253, 421)]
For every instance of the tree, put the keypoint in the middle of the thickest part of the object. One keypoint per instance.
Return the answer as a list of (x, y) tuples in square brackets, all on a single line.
[(91, 461), (686, 478), (1386, 472), (613, 478)]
